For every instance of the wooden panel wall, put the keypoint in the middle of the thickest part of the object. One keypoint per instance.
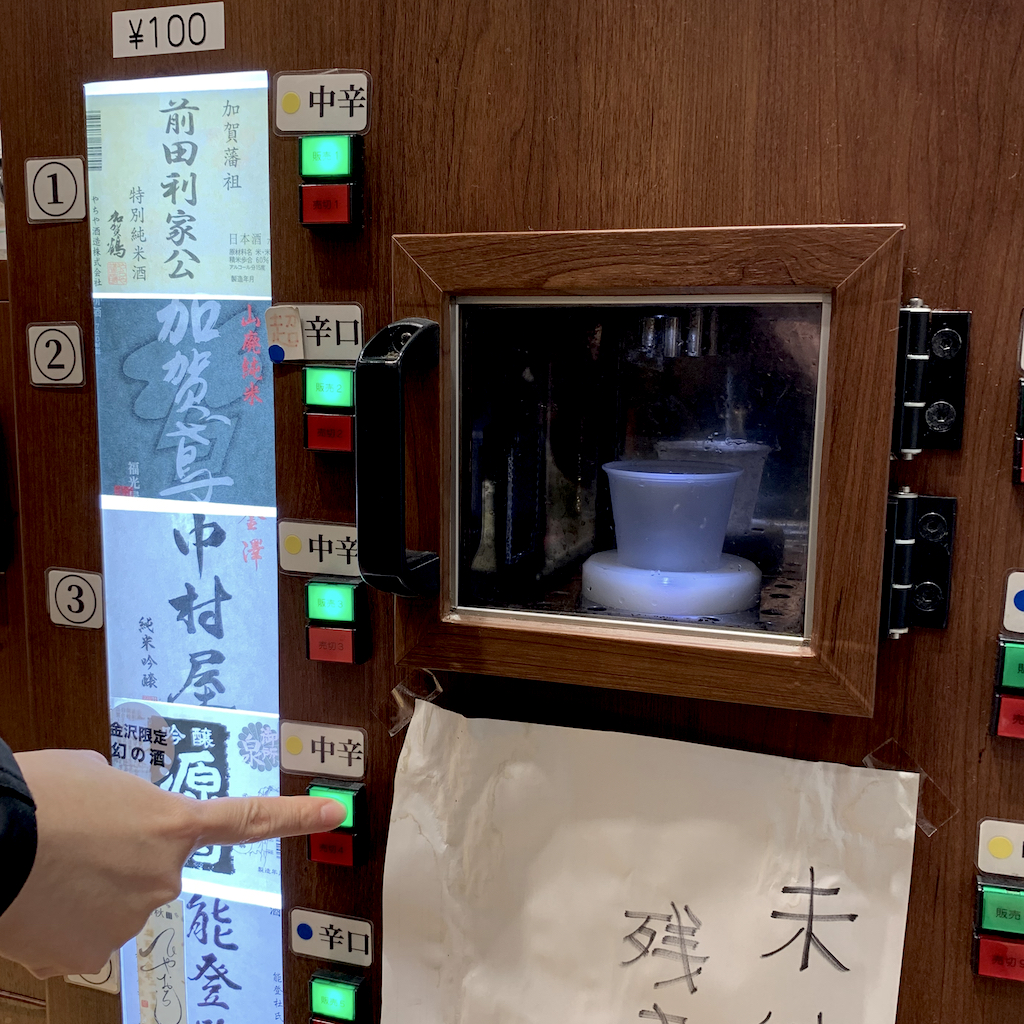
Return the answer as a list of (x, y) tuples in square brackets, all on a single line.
[(528, 115)]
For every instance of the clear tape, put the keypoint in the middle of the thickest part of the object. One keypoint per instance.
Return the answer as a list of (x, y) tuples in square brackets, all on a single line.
[(934, 808), (395, 710)]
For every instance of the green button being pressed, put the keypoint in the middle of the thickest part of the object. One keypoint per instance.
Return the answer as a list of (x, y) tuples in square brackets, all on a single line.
[(343, 796), (1002, 910), (1013, 666), (330, 602), (332, 999), (329, 386), (326, 156)]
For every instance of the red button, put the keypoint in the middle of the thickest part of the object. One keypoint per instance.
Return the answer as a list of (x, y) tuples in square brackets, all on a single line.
[(326, 204), (331, 848), (328, 643), (328, 432), (1011, 717), (998, 958)]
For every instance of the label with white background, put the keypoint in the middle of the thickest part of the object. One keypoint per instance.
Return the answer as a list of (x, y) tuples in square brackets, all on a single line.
[(181, 29), (108, 979), (308, 748), (323, 332), (308, 547), (75, 598), (55, 355), (55, 189), (322, 103), (345, 940), (1001, 847)]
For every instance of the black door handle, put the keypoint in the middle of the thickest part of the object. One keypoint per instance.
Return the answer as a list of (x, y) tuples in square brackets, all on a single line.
[(381, 371)]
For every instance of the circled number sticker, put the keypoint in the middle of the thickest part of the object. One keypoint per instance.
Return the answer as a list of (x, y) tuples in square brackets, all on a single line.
[(75, 598), (55, 355), (55, 189)]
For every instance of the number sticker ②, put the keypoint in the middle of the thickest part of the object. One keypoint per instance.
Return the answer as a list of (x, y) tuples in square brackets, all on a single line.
[(55, 354), (55, 189), (75, 598)]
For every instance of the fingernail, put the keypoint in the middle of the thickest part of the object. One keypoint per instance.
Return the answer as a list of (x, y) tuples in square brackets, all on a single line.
[(333, 813)]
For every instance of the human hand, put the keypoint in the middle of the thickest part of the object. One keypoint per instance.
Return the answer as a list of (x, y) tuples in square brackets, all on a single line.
[(110, 850)]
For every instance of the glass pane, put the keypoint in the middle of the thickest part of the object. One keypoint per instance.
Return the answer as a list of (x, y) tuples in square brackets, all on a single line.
[(180, 219), (640, 459)]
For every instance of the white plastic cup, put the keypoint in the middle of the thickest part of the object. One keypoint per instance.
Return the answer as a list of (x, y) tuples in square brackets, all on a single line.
[(671, 515), (748, 456)]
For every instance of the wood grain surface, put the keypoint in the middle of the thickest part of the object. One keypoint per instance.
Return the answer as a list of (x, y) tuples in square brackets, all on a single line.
[(859, 267), (526, 116)]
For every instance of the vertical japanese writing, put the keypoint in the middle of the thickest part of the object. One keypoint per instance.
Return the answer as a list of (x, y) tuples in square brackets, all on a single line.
[(137, 213), (148, 645), (189, 417), (251, 363), (180, 186)]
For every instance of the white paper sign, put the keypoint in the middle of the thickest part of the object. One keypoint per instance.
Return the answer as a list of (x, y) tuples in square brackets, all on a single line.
[(179, 29), (539, 874)]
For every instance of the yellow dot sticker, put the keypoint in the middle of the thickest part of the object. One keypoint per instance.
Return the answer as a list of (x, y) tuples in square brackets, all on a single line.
[(1000, 847), (292, 544), (290, 102), (293, 745)]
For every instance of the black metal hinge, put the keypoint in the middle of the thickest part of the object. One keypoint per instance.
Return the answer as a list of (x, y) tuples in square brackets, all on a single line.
[(931, 379), (919, 530)]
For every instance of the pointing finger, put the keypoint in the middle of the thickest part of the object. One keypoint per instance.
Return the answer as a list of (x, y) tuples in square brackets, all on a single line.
[(232, 820)]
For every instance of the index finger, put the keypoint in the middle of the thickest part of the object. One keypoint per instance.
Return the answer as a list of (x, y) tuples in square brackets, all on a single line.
[(248, 819)]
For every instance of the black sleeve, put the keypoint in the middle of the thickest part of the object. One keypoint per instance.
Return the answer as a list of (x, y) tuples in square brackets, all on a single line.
[(17, 828)]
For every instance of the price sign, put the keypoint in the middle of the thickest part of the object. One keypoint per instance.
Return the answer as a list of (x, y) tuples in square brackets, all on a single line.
[(180, 29)]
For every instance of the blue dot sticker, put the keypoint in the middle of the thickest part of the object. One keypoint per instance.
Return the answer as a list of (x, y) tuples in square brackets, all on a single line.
[(1018, 600), (304, 931), (276, 354)]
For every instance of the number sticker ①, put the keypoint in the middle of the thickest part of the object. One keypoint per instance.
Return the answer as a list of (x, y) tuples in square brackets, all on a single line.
[(55, 189), (75, 598), (55, 355)]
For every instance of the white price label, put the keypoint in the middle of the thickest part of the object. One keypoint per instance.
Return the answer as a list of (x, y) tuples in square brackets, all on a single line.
[(180, 29), (75, 598), (55, 189), (322, 102), (55, 354)]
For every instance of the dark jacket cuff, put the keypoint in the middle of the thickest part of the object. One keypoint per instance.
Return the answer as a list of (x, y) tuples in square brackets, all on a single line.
[(17, 829)]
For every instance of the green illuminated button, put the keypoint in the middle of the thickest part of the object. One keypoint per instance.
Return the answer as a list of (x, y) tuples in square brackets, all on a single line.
[(329, 385), (330, 602), (343, 796), (1013, 666), (334, 999), (326, 156), (1002, 910)]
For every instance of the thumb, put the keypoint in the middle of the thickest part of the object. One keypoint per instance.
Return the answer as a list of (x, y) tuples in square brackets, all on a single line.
[(249, 819)]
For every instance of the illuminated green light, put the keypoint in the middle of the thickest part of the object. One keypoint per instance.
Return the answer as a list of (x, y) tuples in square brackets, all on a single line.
[(326, 156), (333, 999), (329, 385), (343, 796), (331, 602)]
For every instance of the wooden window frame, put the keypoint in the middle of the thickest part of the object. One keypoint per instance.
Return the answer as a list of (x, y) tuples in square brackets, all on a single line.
[(860, 266)]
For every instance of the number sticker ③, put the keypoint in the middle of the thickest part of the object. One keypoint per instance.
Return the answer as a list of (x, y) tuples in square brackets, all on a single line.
[(75, 598), (55, 354)]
